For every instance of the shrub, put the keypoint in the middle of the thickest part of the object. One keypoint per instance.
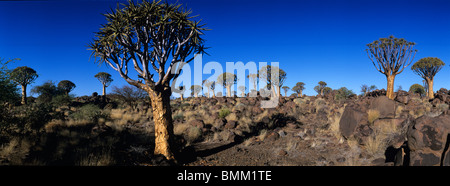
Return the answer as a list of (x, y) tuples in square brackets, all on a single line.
[(88, 112), (343, 93), (373, 115), (178, 116), (442, 107), (61, 100), (224, 112)]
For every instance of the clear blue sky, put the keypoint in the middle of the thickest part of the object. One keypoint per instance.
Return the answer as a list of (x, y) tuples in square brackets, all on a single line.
[(312, 40)]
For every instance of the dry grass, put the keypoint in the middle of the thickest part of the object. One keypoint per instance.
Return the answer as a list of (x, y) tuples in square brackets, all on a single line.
[(105, 158), (333, 120), (373, 115), (231, 117), (376, 144), (15, 151)]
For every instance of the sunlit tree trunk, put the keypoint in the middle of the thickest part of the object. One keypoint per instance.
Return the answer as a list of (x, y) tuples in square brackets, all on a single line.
[(390, 86), (24, 95), (104, 90), (430, 87), (162, 116)]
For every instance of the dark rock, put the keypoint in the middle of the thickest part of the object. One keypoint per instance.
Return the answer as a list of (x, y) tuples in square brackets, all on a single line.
[(427, 139), (282, 153), (402, 97), (272, 136), (384, 105), (197, 123), (376, 93), (351, 118), (231, 124)]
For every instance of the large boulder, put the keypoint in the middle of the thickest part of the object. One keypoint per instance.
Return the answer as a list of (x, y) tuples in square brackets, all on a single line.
[(402, 97), (428, 140), (351, 120), (384, 106)]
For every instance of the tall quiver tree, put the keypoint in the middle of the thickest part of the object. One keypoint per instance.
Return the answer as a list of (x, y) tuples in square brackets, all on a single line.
[(427, 68), (266, 73), (320, 88), (66, 86), (157, 38), (105, 79), (298, 88), (24, 76), (227, 80), (391, 56)]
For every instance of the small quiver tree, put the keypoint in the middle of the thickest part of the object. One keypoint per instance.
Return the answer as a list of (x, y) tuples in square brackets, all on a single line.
[(66, 86), (24, 76), (427, 68)]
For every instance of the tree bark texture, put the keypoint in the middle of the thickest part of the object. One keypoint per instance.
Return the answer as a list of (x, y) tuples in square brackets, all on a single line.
[(104, 90), (24, 94), (162, 116), (430, 88), (228, 91), (390, 86)]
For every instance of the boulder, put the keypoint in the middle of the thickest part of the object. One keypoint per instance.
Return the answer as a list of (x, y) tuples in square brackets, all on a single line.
[(197, 123), (376, 93), (350, 120), (395, 126), (428, 140), (384, 105), (231, 124), (402, 97)]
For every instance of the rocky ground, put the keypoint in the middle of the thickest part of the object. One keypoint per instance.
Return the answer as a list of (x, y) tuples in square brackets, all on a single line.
[(311, 131)]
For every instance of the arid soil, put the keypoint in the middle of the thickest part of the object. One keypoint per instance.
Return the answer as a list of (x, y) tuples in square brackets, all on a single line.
[(307, 131)]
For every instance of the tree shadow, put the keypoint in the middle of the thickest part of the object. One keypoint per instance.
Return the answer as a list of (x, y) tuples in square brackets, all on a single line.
[(190, 154)]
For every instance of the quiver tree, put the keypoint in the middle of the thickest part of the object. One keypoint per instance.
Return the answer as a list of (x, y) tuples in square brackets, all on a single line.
[(298, 88), (391, 56), (105, 79), (286, 89), (427, 69), (227, 80), (24, 76), (210, 85), (254, 80), (195, 89), (242, 88), (365, 89), (66, 86), (320, 87), (155, 38), (417, 89), (266, 73), (182, 89)]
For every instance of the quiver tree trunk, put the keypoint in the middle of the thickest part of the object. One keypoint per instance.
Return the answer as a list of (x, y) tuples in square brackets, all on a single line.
[(24, 94), (228, 91), (390, 86), (104, 90), (430, 88), (278, 92), (162, 116)]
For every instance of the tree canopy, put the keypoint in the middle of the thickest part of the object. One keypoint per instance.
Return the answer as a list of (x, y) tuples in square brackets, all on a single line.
[(66, 86), (390, 56), (104, 78), (298, 88), (427, 67)]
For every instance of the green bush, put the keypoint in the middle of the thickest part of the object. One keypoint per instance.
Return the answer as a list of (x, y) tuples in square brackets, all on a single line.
[(61, 100), (343, 93), (88, 112), (224, 112)]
